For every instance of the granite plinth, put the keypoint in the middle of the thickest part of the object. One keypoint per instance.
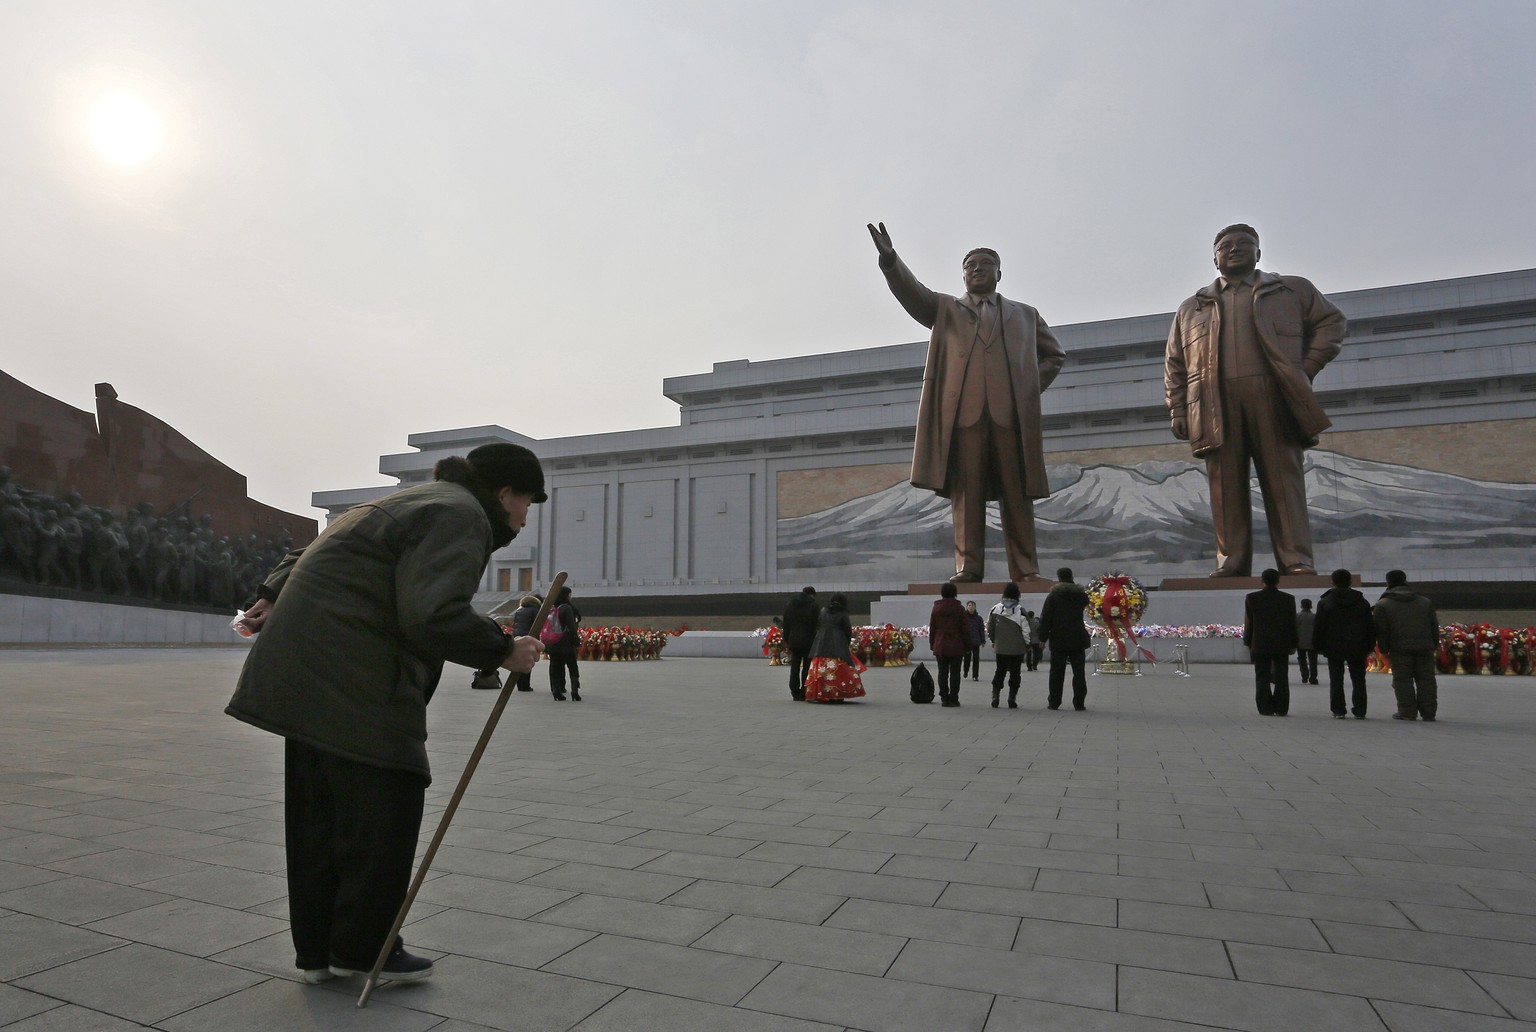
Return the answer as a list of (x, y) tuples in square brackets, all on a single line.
[(1294, 582), (1030, 585)]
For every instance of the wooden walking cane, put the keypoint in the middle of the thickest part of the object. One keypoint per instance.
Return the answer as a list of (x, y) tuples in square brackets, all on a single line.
[(458, 794)]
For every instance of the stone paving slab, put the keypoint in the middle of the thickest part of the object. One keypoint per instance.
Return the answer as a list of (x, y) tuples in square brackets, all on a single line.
[(687, 849)]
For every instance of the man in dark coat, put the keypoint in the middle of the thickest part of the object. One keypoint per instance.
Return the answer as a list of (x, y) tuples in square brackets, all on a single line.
[(1409, 633), (353, 634), (1036, 643), (1345, 632), (799, 622), (1062, 628), (1269, 632), (1306, 649), (978, 417)]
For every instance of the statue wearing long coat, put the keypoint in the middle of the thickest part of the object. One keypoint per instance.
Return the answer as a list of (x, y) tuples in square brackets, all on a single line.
[(1031, 355), (1034, 357)]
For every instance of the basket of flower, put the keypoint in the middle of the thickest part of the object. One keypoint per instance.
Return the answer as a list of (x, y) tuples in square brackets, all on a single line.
[(1116, 602), (1455, 647), (899, 643), (1520, 650), (773, 644), (1488, 647), (869, 644)]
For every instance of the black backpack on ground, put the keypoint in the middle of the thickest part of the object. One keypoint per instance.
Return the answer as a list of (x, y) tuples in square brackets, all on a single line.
[(922, 684)]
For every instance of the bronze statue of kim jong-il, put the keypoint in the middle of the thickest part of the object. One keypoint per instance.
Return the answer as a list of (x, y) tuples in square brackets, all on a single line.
[(978, 417), (1241, 358)]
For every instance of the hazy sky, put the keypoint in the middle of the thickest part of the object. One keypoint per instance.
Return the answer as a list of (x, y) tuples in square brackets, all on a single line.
[(369, 218)]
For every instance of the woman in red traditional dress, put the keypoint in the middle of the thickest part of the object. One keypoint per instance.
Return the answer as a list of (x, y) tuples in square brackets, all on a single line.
[(834, 672)]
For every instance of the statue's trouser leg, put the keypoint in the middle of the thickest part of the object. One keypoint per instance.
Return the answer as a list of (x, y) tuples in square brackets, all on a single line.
[(977, 450), (1257, 428)]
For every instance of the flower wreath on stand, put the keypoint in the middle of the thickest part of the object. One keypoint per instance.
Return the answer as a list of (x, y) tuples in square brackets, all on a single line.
[(773, 644), (1117, 601)]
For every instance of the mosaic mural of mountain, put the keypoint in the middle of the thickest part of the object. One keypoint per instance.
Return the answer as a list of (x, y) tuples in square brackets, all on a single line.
[(1153, 519)]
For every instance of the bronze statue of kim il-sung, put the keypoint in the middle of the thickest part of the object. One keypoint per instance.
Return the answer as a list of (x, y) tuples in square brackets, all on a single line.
[(978, 418), (1241, 358)]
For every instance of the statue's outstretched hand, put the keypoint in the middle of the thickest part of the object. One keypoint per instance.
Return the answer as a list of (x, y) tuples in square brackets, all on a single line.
[(882, 239)]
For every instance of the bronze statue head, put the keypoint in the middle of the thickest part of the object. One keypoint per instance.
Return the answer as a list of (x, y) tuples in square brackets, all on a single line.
[(1237, 250), (982, 268)]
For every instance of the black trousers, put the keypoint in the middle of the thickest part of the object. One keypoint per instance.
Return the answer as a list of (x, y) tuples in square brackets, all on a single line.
[(1336, 667), (949, 678), (1007, 666), (351, 833), (559, 664), (970, 664), (1271, 683), (1306, 661), (1056, 679), (1413, 682), (1035, 652), (799, 664)]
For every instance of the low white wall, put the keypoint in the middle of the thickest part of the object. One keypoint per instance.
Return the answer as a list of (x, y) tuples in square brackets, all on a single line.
[(29, 620), (746, 645)]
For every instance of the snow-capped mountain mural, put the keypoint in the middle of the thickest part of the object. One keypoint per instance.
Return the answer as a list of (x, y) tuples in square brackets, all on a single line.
[(1154, 519)]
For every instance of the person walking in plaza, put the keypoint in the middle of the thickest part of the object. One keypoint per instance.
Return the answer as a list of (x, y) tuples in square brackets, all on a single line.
[(949, 636), (1269, 633), (1345, 632), (1008, 629), (971, 664), (799, 626), (522, 624), (351, 634), (1306, 654), (832, 674), (562, 651), (1062, 627), (1036, 645), (1408, 631), (490, 680)]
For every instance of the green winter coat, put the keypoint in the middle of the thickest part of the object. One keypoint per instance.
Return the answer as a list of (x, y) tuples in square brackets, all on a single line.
[(362, 622)]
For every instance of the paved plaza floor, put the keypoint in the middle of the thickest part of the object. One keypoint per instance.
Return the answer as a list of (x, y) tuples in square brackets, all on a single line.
[(687, 849)]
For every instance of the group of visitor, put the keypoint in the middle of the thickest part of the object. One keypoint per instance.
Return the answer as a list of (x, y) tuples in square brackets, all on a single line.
[(561, 638), (1344, 629), (822, 667)]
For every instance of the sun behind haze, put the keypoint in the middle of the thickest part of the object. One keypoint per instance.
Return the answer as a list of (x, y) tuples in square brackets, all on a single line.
[(125, 130)]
